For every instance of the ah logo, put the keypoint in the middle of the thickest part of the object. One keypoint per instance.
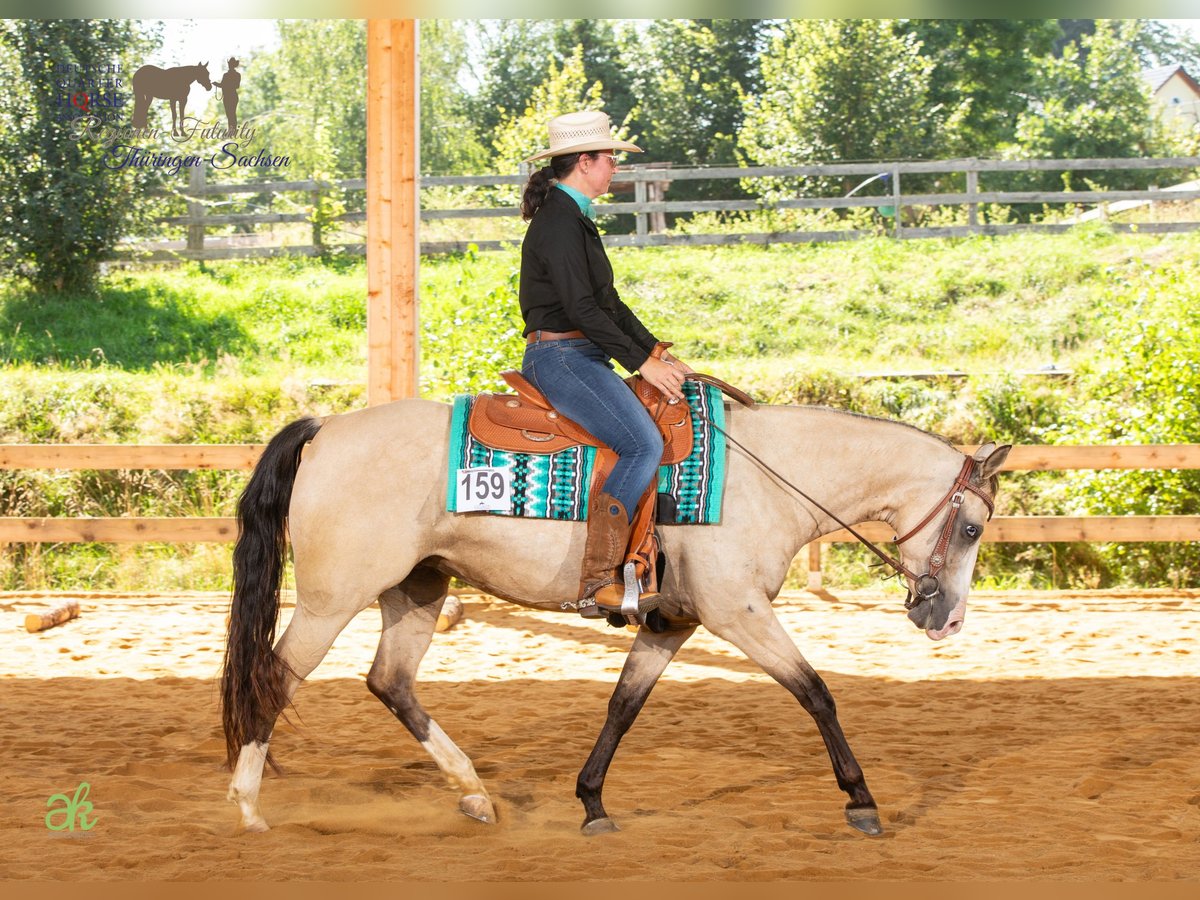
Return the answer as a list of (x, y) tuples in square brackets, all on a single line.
[(71, 809)]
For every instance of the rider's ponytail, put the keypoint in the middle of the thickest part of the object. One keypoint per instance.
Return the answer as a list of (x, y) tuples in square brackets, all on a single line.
[(542, 180)]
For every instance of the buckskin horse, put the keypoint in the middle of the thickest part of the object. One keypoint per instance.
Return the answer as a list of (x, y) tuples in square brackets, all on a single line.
[(366, 514), (173, 85)]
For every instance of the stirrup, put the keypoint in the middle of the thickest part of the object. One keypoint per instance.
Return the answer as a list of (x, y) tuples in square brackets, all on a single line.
[(635, 604)]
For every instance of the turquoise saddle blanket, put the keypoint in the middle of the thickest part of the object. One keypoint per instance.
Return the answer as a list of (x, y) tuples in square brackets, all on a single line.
[(556, 485)]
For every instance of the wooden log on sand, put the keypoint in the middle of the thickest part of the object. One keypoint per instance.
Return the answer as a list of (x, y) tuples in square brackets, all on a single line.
[(452, 611), (35, 622)]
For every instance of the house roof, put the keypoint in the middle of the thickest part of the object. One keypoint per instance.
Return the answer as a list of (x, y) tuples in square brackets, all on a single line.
[(1161, 75)]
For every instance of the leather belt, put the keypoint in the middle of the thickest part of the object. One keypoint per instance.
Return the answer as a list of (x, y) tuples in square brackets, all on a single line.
[(538, 336)]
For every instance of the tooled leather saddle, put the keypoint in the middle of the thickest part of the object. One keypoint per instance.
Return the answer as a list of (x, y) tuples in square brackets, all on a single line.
[(526, 422)]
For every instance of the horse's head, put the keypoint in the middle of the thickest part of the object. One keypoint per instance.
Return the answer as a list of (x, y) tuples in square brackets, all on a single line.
[(941, 550), (202, 76)]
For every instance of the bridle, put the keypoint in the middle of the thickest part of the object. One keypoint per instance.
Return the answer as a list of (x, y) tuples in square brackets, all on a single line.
[(926, 586)]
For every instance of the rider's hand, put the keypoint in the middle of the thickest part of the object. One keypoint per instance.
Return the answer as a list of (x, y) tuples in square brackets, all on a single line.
[(666, 376)]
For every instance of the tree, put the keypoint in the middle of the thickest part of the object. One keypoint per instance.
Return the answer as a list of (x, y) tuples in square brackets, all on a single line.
[(1093, 102), (691, 75), (450, 142), (839, 91), (310, 95), (564, 90), (515, 53), (1155, 42), (63, 208), (983, 70)]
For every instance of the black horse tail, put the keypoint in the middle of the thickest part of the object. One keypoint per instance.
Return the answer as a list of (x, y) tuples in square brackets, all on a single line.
[(253, 678)]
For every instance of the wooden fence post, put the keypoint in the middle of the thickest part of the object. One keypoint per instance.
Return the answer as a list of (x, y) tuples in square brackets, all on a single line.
[(392, 210), (972, 207), (814, 566), (316, 222), (195, 208), (898, 228), (639, 196), (657, 192)]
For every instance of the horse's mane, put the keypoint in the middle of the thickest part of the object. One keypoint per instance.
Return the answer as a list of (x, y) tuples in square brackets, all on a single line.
[(881, 419)]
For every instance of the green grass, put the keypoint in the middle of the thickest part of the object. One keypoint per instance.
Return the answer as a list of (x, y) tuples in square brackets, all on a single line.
[(229, 352)]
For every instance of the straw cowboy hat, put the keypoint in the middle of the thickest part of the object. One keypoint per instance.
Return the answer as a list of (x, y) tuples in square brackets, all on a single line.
[(581, 132)]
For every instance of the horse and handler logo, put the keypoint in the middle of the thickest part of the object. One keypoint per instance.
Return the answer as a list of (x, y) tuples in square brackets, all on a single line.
[(152, 83)]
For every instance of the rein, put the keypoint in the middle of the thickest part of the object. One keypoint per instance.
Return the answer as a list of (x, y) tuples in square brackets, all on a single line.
[(926, 586)]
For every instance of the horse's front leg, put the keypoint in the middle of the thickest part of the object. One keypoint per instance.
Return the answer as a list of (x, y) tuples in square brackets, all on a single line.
[(645, 663), (754, 629)]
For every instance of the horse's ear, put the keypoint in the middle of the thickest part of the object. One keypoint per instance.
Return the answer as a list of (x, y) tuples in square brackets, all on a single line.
[(991, 458)]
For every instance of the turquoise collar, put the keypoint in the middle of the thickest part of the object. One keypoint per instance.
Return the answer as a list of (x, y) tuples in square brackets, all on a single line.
[(584, 202)]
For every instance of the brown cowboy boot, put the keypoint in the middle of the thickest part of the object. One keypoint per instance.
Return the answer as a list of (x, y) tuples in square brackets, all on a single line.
[(602, 589)]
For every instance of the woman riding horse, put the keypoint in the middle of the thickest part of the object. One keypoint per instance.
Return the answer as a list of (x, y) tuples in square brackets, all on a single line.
[(575, 324)]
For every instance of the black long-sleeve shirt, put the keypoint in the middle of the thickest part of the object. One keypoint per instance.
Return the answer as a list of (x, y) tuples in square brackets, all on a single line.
[(567, 284)]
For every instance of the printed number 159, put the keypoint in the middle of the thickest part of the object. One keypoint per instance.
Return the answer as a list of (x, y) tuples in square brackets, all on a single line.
[(486, 485)]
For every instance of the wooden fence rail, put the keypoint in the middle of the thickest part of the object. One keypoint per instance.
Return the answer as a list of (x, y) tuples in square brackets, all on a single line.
[(649, 184), (1003, 529)]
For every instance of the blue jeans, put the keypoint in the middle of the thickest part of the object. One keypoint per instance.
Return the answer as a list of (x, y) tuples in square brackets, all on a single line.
[(578, 379)]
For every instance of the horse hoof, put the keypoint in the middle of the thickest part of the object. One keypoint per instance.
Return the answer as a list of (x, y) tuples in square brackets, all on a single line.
[(256, 826), (866, 820), (599, 826), (478, 807)]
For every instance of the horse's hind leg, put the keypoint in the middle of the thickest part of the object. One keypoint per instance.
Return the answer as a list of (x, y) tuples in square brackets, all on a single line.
[(303, 645), (410, 613), (646, 661), (756, 631)]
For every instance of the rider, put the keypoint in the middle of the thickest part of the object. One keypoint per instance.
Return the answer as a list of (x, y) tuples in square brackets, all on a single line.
[(575, 324)]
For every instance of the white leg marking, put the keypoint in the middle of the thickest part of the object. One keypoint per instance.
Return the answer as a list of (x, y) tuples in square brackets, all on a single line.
[(452, 761), (459, 771), (247, 778)]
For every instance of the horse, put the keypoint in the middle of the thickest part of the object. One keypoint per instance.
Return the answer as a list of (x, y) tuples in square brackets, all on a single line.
[(362, 497), (151, 82)]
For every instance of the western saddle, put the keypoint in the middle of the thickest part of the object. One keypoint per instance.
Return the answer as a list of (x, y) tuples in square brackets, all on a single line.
[(526, 422)]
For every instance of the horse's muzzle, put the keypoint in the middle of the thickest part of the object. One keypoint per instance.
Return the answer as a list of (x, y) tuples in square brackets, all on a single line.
[(921, 612)]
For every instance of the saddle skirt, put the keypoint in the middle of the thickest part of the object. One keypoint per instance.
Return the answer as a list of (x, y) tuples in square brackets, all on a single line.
[(526, 422)]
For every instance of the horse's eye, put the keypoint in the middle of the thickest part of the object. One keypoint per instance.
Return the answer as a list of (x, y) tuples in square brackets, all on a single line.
[(971, 531)]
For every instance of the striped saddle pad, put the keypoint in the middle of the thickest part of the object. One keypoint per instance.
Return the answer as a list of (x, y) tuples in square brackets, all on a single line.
[(556, 485)]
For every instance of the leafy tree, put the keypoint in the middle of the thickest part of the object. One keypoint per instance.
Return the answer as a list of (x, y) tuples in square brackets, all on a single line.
[(63, 209), (515, 53), (982, 74), (691, 75), (1155, 42), (839, 91), (1143, 387), (1159, 44), (1093, 102), (565, 89), (310, 95), (450, 142)]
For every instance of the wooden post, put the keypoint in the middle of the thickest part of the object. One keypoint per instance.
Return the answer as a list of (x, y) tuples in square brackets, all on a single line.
[(315, 196), (814, 566), (658, 193), (195, 208), (972, 207), (898, 230), (639, 197), (392, 210)]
